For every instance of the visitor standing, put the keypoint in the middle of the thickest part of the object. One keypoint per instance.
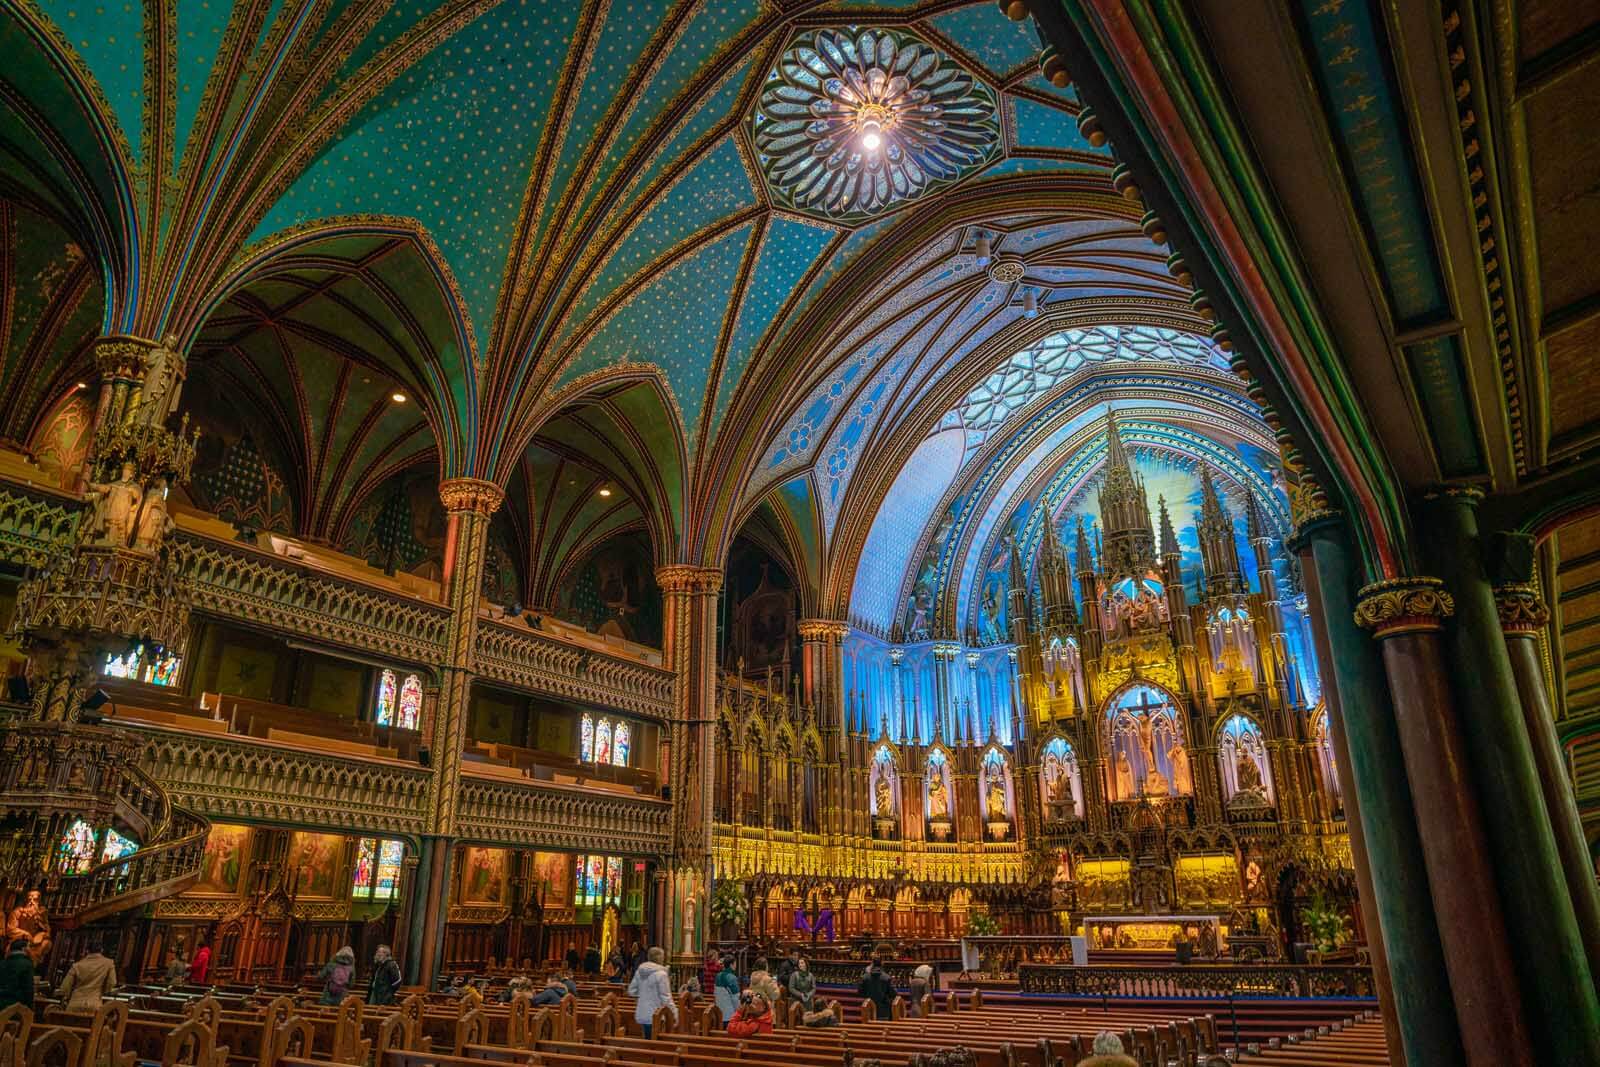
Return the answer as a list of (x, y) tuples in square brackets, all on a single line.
[(652, 987), (385, 977), (16, 975), (876, 987), (178, 969), (87, 983), (921, 981), (761, 980), (336, 975), (726, 989), (200, 966), (591, 960)]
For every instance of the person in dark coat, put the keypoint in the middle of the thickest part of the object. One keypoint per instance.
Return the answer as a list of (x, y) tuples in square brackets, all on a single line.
[(16, 975), (591, 960), (385, 977), (573, 959), (876, 987)]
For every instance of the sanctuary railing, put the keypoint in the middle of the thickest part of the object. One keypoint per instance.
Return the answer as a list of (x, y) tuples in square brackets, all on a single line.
[(1198, 980)]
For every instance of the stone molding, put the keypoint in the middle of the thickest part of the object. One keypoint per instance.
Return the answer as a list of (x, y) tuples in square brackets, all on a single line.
[(1416, 604), (470, 494)]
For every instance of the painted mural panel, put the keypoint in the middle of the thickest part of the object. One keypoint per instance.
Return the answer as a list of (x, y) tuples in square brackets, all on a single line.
[(222, 867), (614, 592), (315, 861), (483, 876), (552, 878)]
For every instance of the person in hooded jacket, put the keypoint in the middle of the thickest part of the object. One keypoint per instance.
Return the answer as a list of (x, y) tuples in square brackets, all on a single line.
[(726, 989), (652, 985), (336, 976)]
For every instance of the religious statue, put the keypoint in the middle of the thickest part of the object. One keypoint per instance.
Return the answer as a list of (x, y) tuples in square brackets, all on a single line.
[(921, 604), (1124, 777), (885, 797), (1055, 781), (1247, 775), (154, 522), (30, 920), (163, 379), (938, 798), (690, 903), (996, 800), (114, 505), (1182, 775)]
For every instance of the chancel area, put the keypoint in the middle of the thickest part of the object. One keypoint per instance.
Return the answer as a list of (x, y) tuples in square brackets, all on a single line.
[(685, 532)]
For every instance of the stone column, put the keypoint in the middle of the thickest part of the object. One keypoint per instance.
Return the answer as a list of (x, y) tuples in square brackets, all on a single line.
[(689, 649), (1558, 988), (1523, 614), (1378, 793), (468, 505), (1406, 616)]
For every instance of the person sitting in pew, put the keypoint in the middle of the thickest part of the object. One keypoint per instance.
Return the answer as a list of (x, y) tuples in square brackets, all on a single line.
[(820, 1015), (552, 993), (753, 1017), (519, 984), (1108, 1052), (652, 985)]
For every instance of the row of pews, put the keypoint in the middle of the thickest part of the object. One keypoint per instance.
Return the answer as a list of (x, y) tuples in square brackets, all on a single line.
[(243, 1028)]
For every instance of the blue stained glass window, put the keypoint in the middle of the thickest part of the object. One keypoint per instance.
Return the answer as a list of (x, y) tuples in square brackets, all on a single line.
[(586, 740), (384, 714), (76, 852)]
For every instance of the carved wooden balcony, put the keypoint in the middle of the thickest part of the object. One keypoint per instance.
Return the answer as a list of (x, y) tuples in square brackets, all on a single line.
[(556, 815), (538, 663)]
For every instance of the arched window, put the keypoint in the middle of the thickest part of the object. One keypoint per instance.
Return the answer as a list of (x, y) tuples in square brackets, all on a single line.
[(76, 851), (117, 847), (621, 742), (614, 878), (410, 714), (586, 739), (602, 742), (1242, 755), (388, 694)]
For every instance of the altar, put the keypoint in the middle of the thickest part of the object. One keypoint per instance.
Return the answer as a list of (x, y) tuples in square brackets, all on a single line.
[(1148, 932)]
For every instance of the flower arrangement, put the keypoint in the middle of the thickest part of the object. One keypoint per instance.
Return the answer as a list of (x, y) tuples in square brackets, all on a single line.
[(982, 924), (728, 904), (1325, 924)]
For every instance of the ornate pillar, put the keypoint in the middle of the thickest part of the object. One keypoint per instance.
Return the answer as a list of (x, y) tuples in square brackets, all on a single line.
[(1378, 796), (689, 648), (1523, 614), (468, 504), (1558, 988), (1406, 616)]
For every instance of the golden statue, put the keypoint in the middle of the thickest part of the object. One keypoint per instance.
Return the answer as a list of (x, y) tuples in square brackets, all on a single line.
[(114, 505), (1247, 776), (1124, 777), (1182, 774), (154, 522), (885, 796), (996, 801), (938, 798), (30, 920), (163, 379)]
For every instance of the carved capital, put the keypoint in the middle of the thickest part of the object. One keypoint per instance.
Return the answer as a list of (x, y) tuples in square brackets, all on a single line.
[(687, 578), (470, 494), (1522, 609), (821, 630), (1404, 605), (123, 357)]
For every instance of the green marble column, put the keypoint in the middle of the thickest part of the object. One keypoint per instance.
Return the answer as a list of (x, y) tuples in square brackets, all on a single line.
[(1404, 906), (1564, 1014)]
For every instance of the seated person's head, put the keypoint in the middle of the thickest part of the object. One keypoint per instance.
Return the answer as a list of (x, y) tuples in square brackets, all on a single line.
[(761, 963), (1107, 1044)]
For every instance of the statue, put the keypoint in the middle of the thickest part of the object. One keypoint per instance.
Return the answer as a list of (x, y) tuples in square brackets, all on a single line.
[(154, 522), (1182, 775), (885, 796), (1124, 777), (996, 801), (938, 797), (30, 920), (921, 604), (1247, 776), (113, 507), (690, 903), (163, 378)]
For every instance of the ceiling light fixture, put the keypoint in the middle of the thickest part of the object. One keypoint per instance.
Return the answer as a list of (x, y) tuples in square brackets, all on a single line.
[(1030, 304), (398, 398), (82, 385), (604, 491), (983, 250), (871, 135)]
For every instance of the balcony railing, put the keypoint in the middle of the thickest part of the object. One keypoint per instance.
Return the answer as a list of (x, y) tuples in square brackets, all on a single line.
[(539, 663), (556, 815)]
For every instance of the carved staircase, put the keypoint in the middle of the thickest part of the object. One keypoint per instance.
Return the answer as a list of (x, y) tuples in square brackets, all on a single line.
[(54, 774)]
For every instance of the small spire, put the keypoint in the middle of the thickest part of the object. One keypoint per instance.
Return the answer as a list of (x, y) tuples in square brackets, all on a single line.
[(1085, 558), (1257, 521), (1116, 455), (1019, 577), (1169, 536)]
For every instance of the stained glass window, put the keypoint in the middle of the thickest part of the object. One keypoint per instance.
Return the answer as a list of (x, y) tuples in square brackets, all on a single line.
[(366, 861), (77, 849), (620, 744), (586, 739), (386, 699), (614, 878), (602, 742), (125, 665), (162, 669), (597, 877), (117, 847), (582, 867), (390, 856), (410, 703)]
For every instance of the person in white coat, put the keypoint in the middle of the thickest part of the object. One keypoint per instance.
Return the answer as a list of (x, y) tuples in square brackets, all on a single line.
[(652, 985)]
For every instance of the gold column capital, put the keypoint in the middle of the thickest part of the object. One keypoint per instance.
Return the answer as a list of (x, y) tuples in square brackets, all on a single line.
[(1521, 608), (1411, 604), (470, 494), (687, 578), (122, 355), (821, 629)]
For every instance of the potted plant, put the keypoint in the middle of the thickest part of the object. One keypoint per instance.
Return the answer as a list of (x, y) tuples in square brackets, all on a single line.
[(1325, 924), (729, 909)]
